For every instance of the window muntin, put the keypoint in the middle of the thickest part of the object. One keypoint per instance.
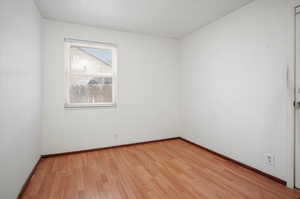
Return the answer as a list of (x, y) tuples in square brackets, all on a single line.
[(90, 74)]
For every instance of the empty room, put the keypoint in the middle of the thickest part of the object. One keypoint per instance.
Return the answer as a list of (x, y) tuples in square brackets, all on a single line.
[(149, 99)]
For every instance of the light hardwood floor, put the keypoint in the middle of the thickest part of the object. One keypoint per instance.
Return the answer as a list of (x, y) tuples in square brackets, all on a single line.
[(171, 169)]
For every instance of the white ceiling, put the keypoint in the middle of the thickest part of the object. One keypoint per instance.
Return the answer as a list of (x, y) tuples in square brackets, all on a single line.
[(170, 18)]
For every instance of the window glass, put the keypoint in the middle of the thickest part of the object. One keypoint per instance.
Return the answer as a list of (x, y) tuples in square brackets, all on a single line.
[(90, 75)]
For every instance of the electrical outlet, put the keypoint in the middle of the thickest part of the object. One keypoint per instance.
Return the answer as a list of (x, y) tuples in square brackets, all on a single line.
[(270, 160), (116, 136)]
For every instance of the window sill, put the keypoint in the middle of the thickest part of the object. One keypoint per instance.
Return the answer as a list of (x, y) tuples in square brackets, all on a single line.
[(89, 106)]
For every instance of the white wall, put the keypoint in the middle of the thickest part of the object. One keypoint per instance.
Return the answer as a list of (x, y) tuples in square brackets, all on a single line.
[(233, 85), (148, 92), (20, 91)]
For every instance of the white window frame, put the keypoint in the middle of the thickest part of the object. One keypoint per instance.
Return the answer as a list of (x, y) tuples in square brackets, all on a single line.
[(89, 44)]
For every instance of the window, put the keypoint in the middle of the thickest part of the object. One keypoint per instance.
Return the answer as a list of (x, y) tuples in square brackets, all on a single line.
[(90, 74)]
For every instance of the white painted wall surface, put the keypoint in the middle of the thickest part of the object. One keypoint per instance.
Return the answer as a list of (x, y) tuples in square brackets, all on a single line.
[(233, 85), (147, 98), (20, 91)]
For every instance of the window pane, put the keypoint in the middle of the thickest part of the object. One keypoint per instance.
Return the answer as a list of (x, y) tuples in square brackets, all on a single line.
[(90, 75), (90, 61), (91, 89)]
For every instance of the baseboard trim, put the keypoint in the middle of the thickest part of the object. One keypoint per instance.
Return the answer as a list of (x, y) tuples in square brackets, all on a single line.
[(110, 147), (278, 180), (28, 179)]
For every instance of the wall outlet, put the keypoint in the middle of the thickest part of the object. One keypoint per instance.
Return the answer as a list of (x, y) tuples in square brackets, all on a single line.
[(116, 136), (270, 160)]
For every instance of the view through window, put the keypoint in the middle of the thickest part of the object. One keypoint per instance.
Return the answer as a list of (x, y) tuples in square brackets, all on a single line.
[(90, 74)]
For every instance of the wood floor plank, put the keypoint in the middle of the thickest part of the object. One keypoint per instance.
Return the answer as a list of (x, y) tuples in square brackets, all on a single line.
[(171, 169)]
